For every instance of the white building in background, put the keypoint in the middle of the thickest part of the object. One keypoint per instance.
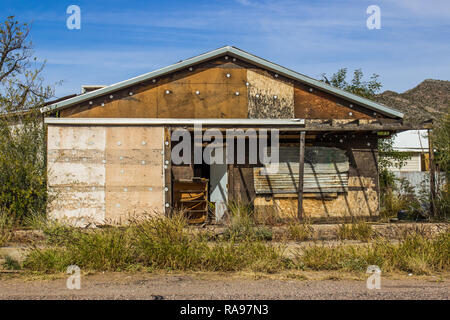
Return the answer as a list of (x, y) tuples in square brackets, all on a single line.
[(415, 142), (415, 169)]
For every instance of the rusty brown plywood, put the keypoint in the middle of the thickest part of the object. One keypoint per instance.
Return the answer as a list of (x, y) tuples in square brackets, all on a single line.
[(216, 99), (317, 104), (269, 97), (218, 96)]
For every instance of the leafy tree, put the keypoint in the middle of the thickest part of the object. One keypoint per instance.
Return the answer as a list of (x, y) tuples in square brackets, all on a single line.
[(23, 187), (369, 89), (441, 141), (358, 86)]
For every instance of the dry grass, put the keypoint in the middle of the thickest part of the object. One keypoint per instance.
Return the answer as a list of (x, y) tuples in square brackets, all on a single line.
[(359, 230), (162, 244), (6, 228), (154, 244), (299, 231), (415, 254)]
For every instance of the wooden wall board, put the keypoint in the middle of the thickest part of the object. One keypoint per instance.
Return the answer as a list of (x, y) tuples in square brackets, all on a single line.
[(321, 105), (76, 174), (134, 171), (217, 99)]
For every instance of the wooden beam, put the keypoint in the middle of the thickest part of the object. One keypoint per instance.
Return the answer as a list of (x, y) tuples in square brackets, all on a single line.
[(432, 176), (301, 166)]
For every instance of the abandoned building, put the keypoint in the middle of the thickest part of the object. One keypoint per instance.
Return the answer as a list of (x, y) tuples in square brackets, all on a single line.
[(109, 149)]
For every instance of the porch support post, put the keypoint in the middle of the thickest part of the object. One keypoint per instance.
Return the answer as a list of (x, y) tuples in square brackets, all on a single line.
[(432, 176)]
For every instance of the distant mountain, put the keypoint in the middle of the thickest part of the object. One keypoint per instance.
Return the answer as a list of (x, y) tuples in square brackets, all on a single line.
[(428, 100)]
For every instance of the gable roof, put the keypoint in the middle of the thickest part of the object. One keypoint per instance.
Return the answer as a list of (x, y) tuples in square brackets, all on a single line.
[(234, 52)]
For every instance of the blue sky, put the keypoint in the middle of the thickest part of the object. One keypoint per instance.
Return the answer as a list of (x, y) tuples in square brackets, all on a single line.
[(122, 39)]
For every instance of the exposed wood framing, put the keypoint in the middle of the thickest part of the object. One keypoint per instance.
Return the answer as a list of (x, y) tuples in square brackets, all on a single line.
[(432, 175)]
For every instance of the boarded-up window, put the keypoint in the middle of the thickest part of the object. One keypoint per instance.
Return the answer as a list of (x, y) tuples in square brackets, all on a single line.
[(326, 171)]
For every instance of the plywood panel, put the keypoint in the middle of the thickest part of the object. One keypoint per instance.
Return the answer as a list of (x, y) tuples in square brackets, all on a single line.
[(76, 174), (216, 99), (77, 138), (320, 105), (218, 96), (354, 204), (134, 172), (269, 97)]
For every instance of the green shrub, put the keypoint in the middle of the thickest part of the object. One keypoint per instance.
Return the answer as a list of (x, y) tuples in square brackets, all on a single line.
[(23, 187), (11, 263)]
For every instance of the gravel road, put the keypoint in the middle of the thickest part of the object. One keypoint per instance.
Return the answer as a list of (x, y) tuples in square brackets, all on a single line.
[(150, 286)]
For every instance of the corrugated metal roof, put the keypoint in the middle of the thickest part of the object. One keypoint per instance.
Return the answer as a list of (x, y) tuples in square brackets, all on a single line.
[(232, 51)]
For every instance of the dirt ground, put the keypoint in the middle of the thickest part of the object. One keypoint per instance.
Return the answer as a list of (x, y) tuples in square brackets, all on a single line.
[(297, 286)]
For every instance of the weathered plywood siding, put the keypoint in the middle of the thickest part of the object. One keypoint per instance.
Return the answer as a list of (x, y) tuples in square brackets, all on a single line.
[(221, 88), (105, 174), (76, 173), (134, 172), (311, 103), (215, 89), (269, 97)]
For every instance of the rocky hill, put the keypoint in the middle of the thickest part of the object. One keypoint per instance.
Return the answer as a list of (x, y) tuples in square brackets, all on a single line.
[(428, 100)]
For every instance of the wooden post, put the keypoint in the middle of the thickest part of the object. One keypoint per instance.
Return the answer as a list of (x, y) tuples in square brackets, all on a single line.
[(432, 175), (301, 166)]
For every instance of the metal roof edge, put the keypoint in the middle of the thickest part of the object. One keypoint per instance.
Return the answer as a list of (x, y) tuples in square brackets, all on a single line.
[(242, 55), (123, 84)]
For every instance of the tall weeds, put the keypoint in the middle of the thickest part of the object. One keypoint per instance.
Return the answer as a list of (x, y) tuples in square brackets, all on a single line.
[(359, 230), (6, 226), (415, 254), (241, 225), (157, 244)]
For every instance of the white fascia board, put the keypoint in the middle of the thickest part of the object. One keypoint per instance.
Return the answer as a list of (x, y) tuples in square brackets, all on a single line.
[(176, 122)]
